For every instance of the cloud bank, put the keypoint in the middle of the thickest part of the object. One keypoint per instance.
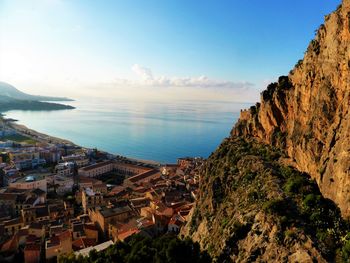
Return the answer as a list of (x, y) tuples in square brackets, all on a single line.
[(146, 78), (148, 86)]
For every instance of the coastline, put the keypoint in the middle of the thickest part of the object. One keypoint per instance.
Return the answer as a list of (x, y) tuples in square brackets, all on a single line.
[(45, 138), (41, 137)]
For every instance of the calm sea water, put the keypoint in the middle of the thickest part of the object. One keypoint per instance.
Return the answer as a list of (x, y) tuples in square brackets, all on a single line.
[(148, 130)]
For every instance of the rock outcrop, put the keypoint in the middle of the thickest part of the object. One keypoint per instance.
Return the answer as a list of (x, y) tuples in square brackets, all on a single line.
[(279, 188), (253, 208), (307, 112)]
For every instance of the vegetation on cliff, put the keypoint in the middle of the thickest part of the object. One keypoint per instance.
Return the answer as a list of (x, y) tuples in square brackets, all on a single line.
[(139, 249), (309, 118), (7, 104), (254, 207)]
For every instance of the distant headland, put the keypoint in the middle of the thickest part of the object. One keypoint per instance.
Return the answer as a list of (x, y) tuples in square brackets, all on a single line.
[(13, 99)]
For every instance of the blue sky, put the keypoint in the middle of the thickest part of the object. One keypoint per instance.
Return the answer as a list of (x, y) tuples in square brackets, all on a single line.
[(166, 49)]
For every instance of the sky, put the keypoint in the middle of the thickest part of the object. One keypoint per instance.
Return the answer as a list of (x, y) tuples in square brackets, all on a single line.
[(155, 49)]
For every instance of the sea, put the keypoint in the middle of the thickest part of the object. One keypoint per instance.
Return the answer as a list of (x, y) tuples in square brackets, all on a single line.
[(158, 131)]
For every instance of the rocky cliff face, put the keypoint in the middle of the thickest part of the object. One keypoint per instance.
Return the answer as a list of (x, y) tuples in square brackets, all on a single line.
[(253, 208), (267, 192), (307, 113)]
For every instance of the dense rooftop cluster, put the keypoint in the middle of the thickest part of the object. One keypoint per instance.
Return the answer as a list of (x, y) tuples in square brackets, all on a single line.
[(60, 199)]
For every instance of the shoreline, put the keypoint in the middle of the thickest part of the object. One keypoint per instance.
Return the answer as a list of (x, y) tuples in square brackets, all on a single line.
[(45, 138)]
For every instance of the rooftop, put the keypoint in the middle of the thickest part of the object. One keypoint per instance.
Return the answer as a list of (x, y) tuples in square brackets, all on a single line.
[(108, 212), (85, 252), (30, 178), (95, 166)]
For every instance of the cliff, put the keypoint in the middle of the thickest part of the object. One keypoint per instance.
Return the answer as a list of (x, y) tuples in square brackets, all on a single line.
[(278, 189), (254, 208), (307, 112)]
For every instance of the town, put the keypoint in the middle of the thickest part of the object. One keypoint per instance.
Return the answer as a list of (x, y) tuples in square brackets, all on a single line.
[(58, 198)]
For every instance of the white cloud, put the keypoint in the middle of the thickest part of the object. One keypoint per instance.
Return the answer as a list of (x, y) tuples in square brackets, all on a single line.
[(144, 73), (149, 86), (147, 79)]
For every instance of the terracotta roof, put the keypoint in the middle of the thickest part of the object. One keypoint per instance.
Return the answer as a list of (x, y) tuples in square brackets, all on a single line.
[(143, 176), (117, 190), (95, 166), (122, 236), (83, 179), (31, 239), (52, 242), (89, 242), (176, 220), (166, 211), (64, 235), (38, 191), (42, 211), (36, 225), (8, 197), (13, 222), (78, 244), (90, 227), (11, 244), (23, 232), (78, 227), (32, 247), (56, 229)]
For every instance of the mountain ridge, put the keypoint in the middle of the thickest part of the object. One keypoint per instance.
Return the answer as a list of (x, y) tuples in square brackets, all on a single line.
[(307, 112), (7, 89), (278, 188), (13, 99)]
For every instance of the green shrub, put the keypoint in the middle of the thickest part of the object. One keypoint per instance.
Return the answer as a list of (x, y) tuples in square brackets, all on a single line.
[(277, 206), (311, 201), (346, 251), (224, 222), (295, 183), (290, 233)]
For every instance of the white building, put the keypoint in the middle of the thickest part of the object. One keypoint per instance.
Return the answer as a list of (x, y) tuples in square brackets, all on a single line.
[(30, 182)]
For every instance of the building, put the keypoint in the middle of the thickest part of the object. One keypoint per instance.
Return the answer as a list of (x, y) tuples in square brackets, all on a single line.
[(61, 184), (91, 199), (37, 229), (50, 155), (96, 169), (104, 216), (91, 231), (58, 245), (7, 203), (79, 159), (85, 252), (11, 227), (27, 154), (129, 169), (33, 181), (109, 166), (32, 253), (175, 223), (65, 169)]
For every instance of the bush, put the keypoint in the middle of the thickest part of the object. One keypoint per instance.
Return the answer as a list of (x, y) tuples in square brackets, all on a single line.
[(346, 251), (290, 233), (167, 248), (294, 184), (277, 206), (311, 200)]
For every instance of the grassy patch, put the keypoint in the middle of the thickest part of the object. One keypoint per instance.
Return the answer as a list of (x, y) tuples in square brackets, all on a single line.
[(18, 138)]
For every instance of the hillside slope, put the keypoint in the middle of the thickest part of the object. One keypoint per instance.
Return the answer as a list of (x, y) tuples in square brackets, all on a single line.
[(10, 91), (277, 189), (8, 103), (307, 113), (254, 208)]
